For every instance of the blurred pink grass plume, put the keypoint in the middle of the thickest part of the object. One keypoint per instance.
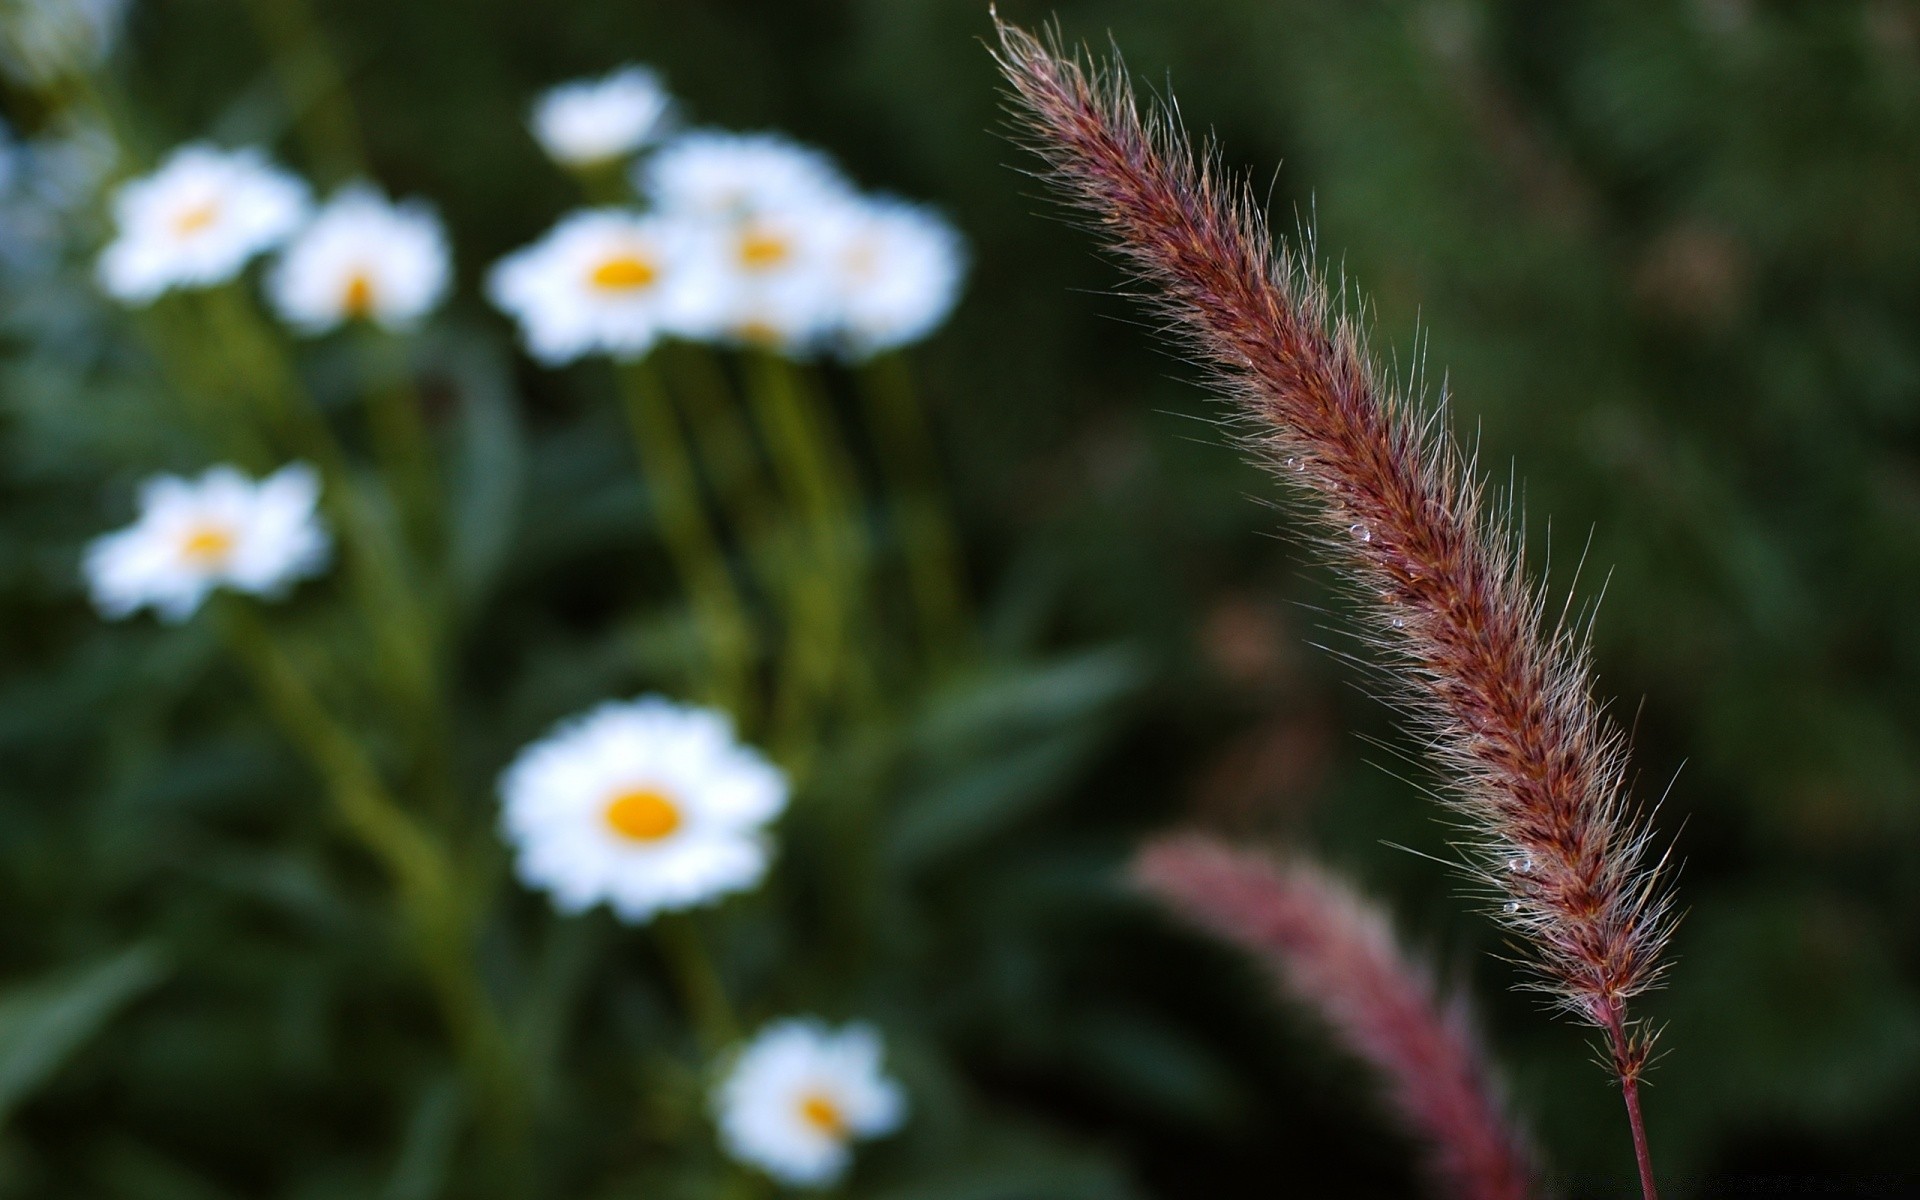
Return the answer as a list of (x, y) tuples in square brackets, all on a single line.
[(1533, 768), (1335, 953)]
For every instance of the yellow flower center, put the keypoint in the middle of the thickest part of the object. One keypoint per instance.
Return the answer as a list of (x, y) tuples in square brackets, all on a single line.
[(760, 250), (194, 219), (819, 1110), (624, 273), (206, 545), (643, 814), (357, 301)]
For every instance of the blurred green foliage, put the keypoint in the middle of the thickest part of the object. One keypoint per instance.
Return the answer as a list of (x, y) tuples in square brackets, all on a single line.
[(1665, 256)]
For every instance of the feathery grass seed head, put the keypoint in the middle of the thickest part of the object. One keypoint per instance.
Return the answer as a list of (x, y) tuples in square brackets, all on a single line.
[(1536, 771)]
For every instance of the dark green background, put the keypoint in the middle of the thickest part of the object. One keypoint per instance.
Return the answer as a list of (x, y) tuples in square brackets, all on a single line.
[(1666, 257)]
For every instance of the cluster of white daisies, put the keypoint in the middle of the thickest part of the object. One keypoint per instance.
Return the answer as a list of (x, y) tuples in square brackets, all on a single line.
[(741, 238), (645, 806), (747, 239), (651, 806)]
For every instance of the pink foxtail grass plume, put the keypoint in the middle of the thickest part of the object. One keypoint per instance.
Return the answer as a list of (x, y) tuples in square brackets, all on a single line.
[(1335, 953), (1536, 771)]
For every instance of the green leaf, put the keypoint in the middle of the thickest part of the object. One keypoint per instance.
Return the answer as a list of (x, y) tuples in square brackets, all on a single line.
[(1030, 698), (959, 813), (44, 1022)]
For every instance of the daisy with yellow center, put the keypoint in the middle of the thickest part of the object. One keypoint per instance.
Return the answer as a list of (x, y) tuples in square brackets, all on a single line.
[(646, 806), (197, 220), (604, 281), (220, 530), (363, 258), (795, 1098), (775, 271)]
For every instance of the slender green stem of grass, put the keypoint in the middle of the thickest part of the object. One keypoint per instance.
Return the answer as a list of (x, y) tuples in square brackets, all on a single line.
[(691, 538), (910, 460)]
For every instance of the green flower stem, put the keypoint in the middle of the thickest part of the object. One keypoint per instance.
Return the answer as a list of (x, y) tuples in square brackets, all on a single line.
[(163, 326), (725, 445), (813, 474), (604, 183), (701, 989), (247, 358), (691, 538), (908, 456), (251, 355), (723, 437), (401, 440), (419, 866)]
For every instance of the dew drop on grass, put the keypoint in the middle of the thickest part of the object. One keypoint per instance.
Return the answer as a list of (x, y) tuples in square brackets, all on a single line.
[(1358, 529)]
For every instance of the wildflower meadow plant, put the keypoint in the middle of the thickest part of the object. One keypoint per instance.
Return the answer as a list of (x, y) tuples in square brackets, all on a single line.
[(746, 306)]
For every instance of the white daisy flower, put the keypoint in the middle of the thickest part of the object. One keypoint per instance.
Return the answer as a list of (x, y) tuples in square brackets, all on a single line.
[(196, 221), (898, 271), (362, 258), (648, 805), (798, 1094), (220, 530), (776, 271), (594, 121), (713, 174), (604, 280)]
